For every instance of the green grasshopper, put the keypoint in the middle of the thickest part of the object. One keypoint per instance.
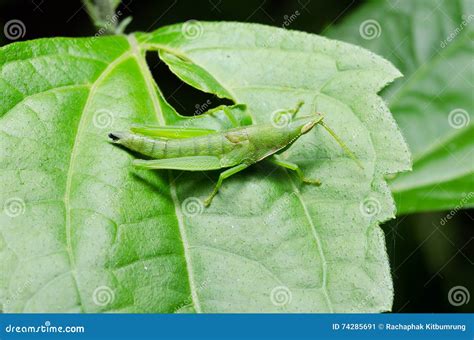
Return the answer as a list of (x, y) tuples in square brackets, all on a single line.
[(194, 149)]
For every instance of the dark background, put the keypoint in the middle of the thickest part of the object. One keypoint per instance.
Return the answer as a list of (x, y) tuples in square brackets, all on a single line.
[(427, 258)]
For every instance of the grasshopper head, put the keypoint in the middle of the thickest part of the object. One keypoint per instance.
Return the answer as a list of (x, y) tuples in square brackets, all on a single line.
[(118, 137), (306, 123)]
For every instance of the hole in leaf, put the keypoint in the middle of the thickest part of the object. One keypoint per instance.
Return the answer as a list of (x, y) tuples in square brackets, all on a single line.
[(186, 99)]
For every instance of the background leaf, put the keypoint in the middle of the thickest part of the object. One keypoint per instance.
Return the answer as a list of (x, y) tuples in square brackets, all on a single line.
[(431, 42), (81, 230)]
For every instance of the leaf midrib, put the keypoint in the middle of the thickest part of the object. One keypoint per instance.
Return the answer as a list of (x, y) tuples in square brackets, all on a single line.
[(141, 62), (316, 237), (72, 164)]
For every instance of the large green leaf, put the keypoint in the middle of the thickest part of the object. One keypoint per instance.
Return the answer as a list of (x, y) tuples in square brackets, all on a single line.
[(432, 43), (82, 230)]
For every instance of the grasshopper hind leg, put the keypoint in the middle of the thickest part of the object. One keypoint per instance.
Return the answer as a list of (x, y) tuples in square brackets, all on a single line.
[(193, 163)]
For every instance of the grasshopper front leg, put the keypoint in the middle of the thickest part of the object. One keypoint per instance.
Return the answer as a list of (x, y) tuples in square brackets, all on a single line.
[(292, 166)]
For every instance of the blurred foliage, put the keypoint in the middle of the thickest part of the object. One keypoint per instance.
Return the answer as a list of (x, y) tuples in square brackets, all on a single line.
[(432, 44), (428, 257)]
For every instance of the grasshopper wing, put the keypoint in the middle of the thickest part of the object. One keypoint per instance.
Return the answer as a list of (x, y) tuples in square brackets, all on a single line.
[(170, 132)]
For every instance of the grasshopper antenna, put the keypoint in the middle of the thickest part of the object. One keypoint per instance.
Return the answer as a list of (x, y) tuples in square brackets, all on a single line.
[(293, 111), (342, 145)]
